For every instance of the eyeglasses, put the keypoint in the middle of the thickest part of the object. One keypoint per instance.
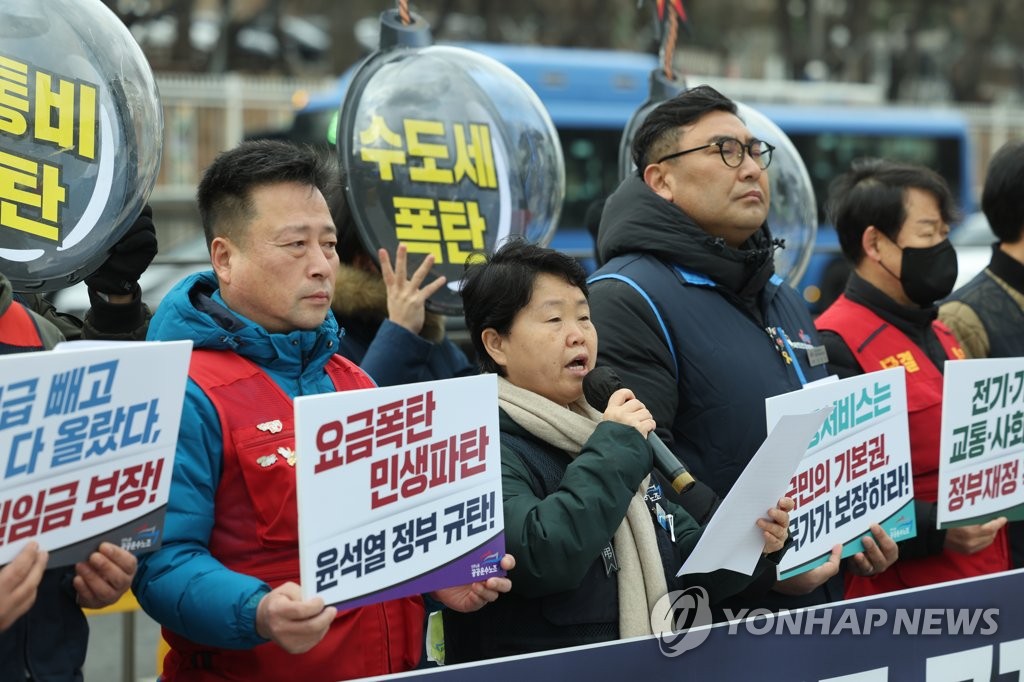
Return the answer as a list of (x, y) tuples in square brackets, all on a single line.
[(732, 151)]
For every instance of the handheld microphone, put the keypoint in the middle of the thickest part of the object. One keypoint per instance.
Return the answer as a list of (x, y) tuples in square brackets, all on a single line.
[(598, 386)]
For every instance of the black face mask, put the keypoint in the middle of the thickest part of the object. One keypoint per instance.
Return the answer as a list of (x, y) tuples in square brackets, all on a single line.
[(928, 274)]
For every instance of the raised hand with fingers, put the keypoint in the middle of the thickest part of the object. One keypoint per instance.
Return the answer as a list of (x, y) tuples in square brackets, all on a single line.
[(406, 298), (128, 258)]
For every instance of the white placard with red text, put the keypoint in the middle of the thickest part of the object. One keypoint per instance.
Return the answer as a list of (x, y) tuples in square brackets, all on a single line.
[(981, 456), (856, 470), (87, 438), (399, 489)]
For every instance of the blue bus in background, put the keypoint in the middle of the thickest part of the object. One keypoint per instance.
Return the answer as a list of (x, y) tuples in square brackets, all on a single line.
[(592, 94)]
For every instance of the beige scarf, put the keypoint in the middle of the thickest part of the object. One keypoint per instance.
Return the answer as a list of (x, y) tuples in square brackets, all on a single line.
[(641, 575)]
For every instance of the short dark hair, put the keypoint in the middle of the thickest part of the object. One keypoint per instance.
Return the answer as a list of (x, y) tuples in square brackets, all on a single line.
[(1002, 199), (225, 191), (495, 289), (658, 133), (873, 192)]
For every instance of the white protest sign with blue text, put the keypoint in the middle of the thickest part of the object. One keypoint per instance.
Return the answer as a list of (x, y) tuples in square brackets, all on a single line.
[(87, 438), (399, 489), (982, 447), (856, 470)]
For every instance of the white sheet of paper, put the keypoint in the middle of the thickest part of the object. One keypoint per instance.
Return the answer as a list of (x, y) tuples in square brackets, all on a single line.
[(732, 539)]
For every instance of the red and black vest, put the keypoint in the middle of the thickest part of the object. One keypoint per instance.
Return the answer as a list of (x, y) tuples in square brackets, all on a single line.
[(255, 532), (878, 345), (18, 331)]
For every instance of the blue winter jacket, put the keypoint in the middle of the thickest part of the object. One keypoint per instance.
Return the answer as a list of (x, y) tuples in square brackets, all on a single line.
[(181, 585), (393, 355)]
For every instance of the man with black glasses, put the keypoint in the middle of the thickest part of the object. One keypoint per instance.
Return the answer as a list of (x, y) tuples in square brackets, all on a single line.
[(694, 319)]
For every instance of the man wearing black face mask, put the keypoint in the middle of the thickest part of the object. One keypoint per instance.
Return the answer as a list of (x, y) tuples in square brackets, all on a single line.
[(893, 226)]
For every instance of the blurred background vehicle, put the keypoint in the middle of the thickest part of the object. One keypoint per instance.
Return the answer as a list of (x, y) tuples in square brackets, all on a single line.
[(591, 95)]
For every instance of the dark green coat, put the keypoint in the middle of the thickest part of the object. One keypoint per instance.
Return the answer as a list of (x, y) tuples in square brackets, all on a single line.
[(560, 513)]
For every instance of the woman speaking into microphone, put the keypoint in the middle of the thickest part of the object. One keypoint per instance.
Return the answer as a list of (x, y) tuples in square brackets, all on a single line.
[(597, 542)]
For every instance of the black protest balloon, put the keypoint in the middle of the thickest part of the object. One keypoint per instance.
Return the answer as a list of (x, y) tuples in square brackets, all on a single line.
[(81, 135), (451, 153)]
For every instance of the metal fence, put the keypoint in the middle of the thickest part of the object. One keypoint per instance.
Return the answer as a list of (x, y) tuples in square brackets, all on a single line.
[(204, 115)]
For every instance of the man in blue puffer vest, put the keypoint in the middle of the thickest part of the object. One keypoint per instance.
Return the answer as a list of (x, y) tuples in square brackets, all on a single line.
[(692, 316)]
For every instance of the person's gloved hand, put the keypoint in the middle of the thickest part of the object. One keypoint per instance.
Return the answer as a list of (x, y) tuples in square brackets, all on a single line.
[(128, 258)]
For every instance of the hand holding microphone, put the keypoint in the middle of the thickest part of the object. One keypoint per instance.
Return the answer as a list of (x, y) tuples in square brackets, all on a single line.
[(624, 408), (598, 387)]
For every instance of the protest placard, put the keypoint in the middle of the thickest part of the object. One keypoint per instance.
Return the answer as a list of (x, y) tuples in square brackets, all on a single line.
[(87, 437), (856, 470), (982, 442), (399, 489)]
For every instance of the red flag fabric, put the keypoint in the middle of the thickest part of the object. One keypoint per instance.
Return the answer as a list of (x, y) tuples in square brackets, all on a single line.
[(677, 5)]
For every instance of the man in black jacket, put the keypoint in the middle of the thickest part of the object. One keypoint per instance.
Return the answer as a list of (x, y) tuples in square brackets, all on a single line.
[(987, 313), (691, 313)]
